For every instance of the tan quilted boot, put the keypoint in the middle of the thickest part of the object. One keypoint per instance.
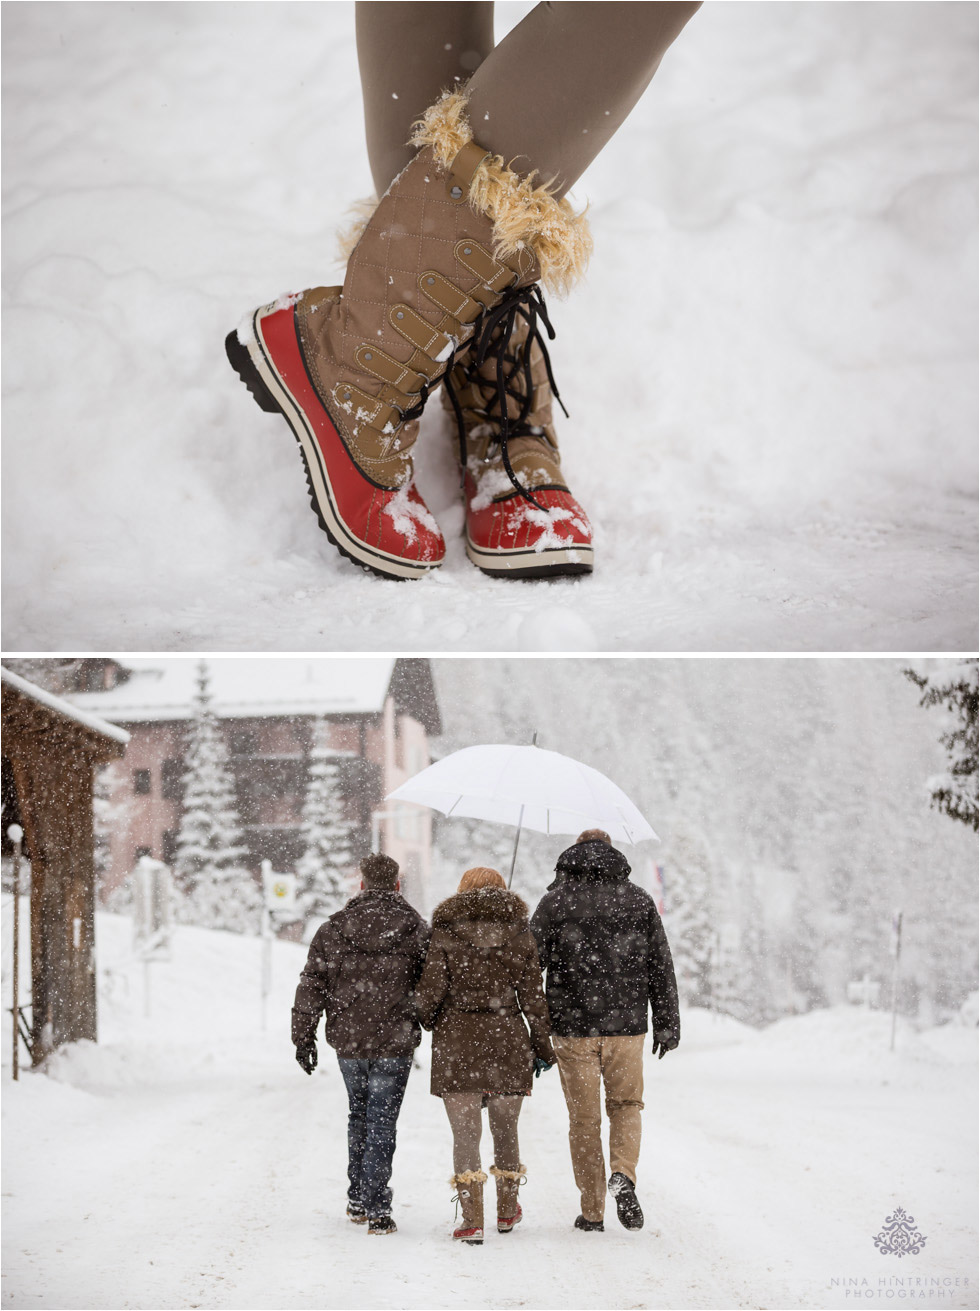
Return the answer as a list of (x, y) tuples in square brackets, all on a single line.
[(509, 1211), (521, 519), (469, 1194), (351, 367)]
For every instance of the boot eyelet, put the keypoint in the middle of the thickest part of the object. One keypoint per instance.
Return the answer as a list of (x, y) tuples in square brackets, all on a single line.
[(368, 355), (430, 282), (346, 395), (467, 251), (399, 314), (456, 192)]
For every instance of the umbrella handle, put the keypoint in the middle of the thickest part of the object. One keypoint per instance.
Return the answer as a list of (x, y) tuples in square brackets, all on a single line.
[(517, 838)]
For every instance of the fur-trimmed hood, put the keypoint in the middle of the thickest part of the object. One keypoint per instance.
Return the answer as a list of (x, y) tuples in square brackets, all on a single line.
[(485, 917)]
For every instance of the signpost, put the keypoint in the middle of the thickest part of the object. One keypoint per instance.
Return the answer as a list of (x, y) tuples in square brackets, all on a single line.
[(278, 902), (16, 835), (152, 916), (896, 946)]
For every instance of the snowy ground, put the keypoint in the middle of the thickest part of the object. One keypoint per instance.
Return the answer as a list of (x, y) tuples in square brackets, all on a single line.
[(782, 299), (187, 1162)]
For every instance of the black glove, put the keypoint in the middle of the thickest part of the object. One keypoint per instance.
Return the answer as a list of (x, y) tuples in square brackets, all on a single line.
[(665, 1040), (306, 1056), (540, 1066)]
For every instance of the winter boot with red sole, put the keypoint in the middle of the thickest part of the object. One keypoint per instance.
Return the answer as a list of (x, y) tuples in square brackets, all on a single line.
[(472, 1236), (386, 528), (521, 519)]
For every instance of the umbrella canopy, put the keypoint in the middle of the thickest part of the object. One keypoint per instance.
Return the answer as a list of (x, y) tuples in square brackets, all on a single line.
[(529, 788)]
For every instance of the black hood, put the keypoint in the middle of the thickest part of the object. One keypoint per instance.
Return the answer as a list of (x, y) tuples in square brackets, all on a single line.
[(595, 862), (376, 921)]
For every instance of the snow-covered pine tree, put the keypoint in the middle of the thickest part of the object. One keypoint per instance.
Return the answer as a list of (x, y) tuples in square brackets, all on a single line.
[(218, 891), (112, 805), (954, 685), (327, 846), (689, 920)]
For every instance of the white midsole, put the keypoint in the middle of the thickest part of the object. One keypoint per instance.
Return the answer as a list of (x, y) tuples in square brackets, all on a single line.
[(524, 558), (374, 556)]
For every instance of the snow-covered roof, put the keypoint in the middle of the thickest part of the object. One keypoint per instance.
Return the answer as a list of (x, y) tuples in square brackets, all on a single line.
[(245, 687), (62, 707)]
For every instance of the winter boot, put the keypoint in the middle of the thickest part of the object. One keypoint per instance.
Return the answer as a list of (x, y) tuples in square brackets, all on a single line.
[(590, 1226), (469, 1196), (521, 519), (350, 368), (381, 1225), (356, 1213), (509, 1211), (628, 1209)]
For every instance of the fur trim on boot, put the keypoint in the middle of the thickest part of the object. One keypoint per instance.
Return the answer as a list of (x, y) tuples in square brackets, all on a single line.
[(469, 1195), (509, 1213), (524, 215)]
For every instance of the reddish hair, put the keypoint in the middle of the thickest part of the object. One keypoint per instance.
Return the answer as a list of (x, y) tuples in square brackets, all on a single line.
[(481, 877)]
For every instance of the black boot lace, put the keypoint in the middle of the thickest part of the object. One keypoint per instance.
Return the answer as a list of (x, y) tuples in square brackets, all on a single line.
[(512, 368)]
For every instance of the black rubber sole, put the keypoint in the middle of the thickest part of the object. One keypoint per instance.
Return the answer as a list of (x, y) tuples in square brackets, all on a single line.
[(538, 571), (241, 362)]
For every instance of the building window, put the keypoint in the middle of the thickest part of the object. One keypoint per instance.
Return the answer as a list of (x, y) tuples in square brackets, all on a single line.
[(141, 782), (168, 844), (171, 779), (244, 742)]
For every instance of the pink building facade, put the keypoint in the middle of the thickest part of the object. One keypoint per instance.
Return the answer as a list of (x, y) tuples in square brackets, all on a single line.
[(378, 721)]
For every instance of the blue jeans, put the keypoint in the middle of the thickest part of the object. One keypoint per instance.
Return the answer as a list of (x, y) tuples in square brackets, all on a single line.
[(375, 1089)]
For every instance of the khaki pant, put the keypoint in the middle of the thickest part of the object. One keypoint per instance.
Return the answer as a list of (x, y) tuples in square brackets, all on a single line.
[(616, 1062)]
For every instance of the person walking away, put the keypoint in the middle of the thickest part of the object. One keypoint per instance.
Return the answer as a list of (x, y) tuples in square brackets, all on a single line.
[(481, 975), (606, 957), (362, 968)]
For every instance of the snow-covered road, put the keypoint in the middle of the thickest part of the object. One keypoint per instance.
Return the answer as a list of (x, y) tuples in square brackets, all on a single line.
[(187, 1162), (782, 302)]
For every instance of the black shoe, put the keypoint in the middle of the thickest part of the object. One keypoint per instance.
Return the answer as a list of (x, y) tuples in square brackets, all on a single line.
[(590, 1226), (627, 1207), (382, 1224), (357, 1213)]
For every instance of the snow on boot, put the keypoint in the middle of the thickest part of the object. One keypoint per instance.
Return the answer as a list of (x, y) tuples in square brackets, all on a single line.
[(622, 1188), (509, 1211), (381, 1225), (356, 1213), (469, 1197), (350, 368), (521, 519)]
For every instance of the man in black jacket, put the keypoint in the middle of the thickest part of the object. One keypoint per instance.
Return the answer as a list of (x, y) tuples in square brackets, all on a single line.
[(363, 965), (603, 946)]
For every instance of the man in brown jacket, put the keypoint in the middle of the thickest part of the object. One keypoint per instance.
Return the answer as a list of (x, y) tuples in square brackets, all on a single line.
[(363, 965)]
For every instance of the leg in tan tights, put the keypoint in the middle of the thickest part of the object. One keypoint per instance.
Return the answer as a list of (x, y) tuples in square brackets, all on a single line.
[(548, 98)]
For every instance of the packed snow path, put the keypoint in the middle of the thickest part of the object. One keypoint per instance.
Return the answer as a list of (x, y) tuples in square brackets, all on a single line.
[(187, 1162), (782, 303)]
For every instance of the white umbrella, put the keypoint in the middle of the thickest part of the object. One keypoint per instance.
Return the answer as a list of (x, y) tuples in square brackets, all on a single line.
[(527, 787)]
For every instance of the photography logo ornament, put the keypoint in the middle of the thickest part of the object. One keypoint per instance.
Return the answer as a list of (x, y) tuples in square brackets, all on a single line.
[(899, 1237)]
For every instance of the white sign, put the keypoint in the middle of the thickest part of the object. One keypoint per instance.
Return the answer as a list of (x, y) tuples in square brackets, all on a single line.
[(152, 905), (279, 889)]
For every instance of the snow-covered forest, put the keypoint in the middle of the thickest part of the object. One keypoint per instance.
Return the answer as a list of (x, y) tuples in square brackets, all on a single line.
[(792, 798)]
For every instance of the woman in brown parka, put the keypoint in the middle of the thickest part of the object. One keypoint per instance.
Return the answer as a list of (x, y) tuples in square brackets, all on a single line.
[(481, 973)]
